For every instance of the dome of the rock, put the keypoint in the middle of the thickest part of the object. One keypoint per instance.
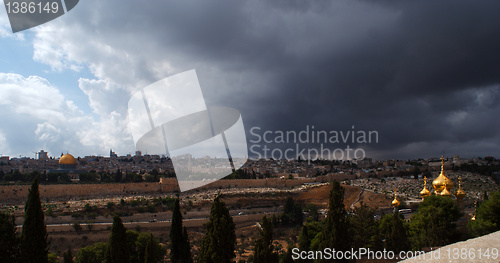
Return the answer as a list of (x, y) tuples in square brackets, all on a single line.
[(67, 159)]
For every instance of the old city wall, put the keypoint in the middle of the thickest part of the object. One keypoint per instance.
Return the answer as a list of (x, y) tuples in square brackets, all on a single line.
[(15, 193), (19, 193)]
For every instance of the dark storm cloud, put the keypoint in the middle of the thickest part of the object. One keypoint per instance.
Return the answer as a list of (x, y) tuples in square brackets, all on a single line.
[(416, 80), (424, 74)]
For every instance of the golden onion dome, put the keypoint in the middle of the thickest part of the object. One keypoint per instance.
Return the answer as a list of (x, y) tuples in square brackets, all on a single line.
[(67, 159), (460, 193), (425, 193), (395, 202), (445, 191), (439, 183), (475, 211)]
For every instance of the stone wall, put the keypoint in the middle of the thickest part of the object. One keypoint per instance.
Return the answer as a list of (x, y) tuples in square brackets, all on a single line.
[(16, 193), (19, 193)]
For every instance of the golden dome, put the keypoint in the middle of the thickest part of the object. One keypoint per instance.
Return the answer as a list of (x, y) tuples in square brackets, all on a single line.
[(425, 193), (475, 211), (445, 191), (439, 183), (395, 202), (460, 193), (67, 159)]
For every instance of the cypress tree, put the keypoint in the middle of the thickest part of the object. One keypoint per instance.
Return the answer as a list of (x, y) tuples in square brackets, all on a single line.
[(68, 256), (180, 249), (292, 214), (34, 246), (287, 257), (135, 246), (144, 247), (363, 227), (218, 244), (398, 239), (335, 231), (309, 236), (264, 248), (118, 251), (9, 241), (176, 242), (187, 248), (149, 253), (304, 239)]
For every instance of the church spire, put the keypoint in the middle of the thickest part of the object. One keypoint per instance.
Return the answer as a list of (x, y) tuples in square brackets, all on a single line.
[(425, 193), (395, 202), (442, 181), (460, 192)]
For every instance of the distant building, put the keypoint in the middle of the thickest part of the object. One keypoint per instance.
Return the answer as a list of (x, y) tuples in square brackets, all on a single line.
[(364, 163), (112, 154), (43, 155), (4, 159), (68, 165)]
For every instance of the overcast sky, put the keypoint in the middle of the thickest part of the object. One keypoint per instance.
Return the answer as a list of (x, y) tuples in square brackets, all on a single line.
[(424, 74)]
